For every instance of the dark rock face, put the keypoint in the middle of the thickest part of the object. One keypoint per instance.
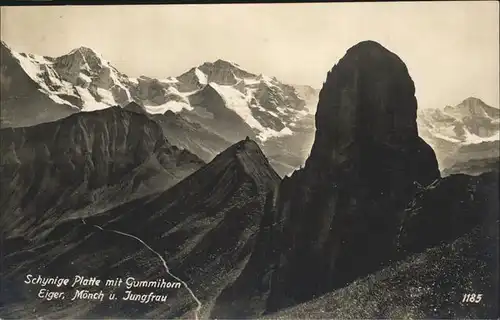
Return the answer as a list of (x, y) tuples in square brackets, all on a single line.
[(135, 107), (83, 164), (452, 225), (365, 164), (478, 204), (368, 99), (337, 218)]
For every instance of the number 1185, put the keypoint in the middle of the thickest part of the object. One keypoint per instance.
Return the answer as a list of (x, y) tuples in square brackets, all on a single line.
[(472, 297)]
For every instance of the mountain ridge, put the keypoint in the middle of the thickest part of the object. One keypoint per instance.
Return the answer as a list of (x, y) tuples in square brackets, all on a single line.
[(228, 102), (467, 132), (204, 226), (82, 164), (97, 80)]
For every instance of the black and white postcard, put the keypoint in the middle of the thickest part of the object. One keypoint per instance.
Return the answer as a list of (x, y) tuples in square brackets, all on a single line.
[(250, 161)]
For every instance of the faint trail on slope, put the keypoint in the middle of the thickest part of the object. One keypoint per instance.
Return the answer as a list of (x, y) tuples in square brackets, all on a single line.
[(199, 305)]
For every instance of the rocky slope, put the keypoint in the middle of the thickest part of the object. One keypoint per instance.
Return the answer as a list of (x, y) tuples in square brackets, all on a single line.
[(430, 284), (220, 96), (184, 133), (82, 165), (357, 206), (466, 137), (204, 227)]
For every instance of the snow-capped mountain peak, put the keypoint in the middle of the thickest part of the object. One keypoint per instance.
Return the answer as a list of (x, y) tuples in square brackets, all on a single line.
[(92, 58), (471, 119), (221, 63), (472, 126), (79, 64), (86, 51), (225, 64), (473, 107), (267, 106), (83, 80)]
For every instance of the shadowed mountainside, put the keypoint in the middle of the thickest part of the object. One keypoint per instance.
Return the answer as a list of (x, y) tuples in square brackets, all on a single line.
[(204, 226), (430, 284), (186, 134), (82, 165)]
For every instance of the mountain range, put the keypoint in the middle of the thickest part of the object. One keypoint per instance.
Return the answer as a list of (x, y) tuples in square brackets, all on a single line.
[(106, 194), (211, 106), (219, 101), (466, 137)]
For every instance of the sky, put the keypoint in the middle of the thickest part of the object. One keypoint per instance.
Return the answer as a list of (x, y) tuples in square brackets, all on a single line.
[(451, 48)]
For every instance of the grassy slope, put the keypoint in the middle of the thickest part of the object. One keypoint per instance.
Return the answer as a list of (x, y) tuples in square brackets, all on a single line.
[(427, 285)]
